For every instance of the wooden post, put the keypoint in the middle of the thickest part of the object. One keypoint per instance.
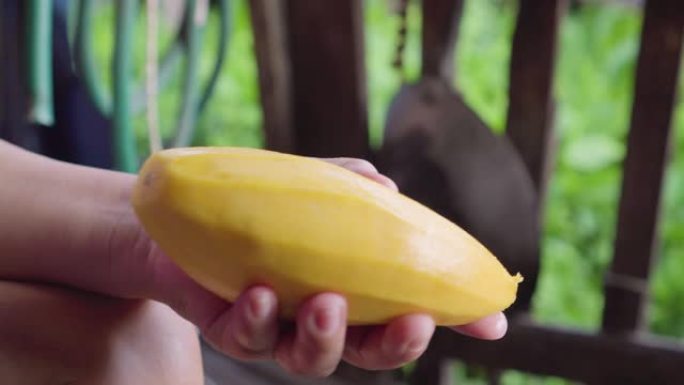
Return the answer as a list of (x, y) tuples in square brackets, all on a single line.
[(328, 77), (270, 45), (530, 109), (626, 284)]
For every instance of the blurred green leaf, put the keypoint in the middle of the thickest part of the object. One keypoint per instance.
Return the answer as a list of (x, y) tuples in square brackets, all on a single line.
[(593, 152)]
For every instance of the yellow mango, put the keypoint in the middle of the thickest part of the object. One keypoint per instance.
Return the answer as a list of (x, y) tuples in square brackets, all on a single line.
[(234, 217)]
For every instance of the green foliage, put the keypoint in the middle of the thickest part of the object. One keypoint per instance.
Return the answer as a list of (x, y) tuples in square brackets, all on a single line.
[(381, 28), (667, 287), (512, 377), (593, 87), (482, 57), (233, 115), (594, 90)]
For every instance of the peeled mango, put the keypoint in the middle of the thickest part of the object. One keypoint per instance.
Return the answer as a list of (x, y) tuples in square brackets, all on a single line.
[(235, 217)]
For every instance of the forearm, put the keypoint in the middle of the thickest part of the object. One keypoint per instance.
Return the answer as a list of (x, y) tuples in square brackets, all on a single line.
[(56, 218)]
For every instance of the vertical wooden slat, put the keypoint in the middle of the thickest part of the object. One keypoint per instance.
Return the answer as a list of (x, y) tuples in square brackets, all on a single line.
[(329, 78), (440, 31), (270, 45), (654, 95), (530, 109)]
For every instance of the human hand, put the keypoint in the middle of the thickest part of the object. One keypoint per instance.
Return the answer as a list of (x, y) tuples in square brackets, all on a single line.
[(319, 337), (74, 226)]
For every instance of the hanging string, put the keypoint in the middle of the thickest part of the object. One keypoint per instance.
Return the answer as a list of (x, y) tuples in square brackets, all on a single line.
[(152, 76), (398, 62)]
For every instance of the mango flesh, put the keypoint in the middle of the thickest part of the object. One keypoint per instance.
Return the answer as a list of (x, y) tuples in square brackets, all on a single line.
[(233, 217)]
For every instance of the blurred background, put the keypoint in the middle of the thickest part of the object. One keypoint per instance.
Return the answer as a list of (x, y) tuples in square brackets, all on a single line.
[(594, 80), (593, 86)]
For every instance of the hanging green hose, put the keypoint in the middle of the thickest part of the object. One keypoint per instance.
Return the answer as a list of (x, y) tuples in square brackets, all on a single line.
[(186, 122), (39, 38), (128, 101), (170, 60), (85, 59), (224, 39), (72, 9), (125, 157), (185, 130), (86, 65)]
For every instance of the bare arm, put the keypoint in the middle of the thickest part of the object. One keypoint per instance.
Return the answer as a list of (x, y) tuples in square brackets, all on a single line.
[(56, 221)]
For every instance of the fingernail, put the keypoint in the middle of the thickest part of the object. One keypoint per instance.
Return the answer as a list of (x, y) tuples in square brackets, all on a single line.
[(412, 347), (259, 306), (361, 167), (389, 183), (500, 327), (324, 321)]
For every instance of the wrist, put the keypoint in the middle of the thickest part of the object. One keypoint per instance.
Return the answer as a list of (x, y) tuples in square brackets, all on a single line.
[(58, 220)]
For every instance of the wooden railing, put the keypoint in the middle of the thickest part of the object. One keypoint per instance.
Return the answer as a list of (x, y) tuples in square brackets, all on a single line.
[(313, 90)]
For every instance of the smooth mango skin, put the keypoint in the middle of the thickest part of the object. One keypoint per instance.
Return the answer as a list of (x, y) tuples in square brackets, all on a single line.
[(234, 217)]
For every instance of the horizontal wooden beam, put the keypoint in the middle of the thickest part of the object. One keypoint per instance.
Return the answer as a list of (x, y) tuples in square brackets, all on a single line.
[(572, 354)]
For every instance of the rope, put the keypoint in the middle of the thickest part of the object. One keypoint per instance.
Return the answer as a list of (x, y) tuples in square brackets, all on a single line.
[(398, 62), (152, 76)]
